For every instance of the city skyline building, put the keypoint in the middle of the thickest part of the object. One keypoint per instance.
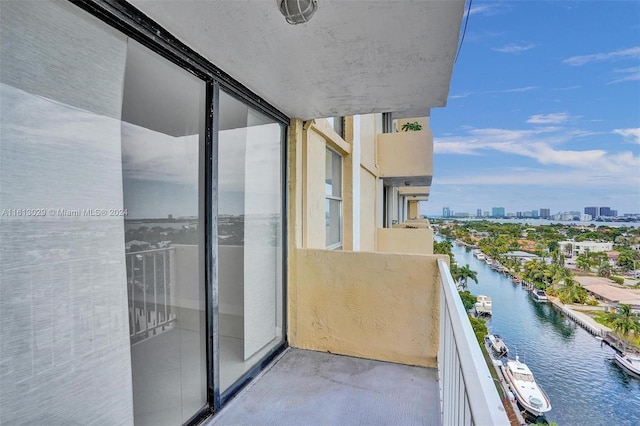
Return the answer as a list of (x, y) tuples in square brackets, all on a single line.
[(545, 213), (497, 211)]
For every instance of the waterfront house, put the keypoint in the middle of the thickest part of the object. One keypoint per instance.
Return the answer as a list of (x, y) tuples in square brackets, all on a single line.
[(272, 150)]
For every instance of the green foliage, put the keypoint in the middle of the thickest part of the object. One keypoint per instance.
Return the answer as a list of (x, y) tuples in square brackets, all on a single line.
[(626, 259), (617, 280), (604, 270), (462, 275), (468, 299), (443, 247), (411, 127), (479, 329)]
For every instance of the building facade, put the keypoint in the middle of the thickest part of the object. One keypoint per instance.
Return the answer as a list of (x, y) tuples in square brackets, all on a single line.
[(176, 212)]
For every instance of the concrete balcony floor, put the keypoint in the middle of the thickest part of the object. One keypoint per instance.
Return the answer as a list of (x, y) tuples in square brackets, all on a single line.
[(315, 388)]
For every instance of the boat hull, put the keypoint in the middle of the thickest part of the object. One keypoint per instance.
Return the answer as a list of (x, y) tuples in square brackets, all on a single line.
[(530, 397), (629, 363)]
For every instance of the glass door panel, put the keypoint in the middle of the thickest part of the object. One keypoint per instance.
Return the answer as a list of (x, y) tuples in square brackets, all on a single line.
[(163, 132)]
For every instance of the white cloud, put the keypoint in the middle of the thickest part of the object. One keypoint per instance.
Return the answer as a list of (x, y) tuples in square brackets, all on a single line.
[(514, 48), (633, 52), (554, 118), (580, 167), (631, 134), (630, 74), (492, 92), (484, 9)]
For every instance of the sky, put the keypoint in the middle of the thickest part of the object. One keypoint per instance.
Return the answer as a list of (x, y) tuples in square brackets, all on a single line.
[(543, 110)]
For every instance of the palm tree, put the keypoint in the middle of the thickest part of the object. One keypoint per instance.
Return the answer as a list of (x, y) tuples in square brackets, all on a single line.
[(464, 273), (583, 263), (625, 322), (604, 270)]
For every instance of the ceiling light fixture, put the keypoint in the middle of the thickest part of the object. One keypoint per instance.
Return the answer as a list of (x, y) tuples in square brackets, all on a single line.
[(297, 11)]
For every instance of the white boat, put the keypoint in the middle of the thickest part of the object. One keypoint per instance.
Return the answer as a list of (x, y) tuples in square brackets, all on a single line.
[(528, 393), (483, 305), (497, 345), (539, 295), (481, 256), (630, 362)]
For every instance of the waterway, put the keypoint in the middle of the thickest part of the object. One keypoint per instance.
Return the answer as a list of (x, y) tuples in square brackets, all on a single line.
[(584, 384)]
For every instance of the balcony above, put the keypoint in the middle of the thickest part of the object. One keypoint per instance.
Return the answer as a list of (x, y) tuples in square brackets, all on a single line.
[(405, 159), (352, 57), (418, 193)]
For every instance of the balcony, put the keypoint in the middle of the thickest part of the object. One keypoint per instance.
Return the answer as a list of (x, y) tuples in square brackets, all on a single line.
[(406, 158), (415, 193), (379, 339), (413, 237)]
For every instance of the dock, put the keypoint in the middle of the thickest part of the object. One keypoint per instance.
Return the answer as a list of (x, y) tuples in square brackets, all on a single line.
[(583, 320), (509, 397)]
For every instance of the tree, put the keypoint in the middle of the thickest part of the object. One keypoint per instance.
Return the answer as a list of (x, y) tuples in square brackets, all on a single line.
[(626, 260), (624, 322), (582, 262), (604, 270), (465, 273), (443, 247)]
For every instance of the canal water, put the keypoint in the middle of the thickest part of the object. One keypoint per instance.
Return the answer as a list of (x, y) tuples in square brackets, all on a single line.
[(584, 384)]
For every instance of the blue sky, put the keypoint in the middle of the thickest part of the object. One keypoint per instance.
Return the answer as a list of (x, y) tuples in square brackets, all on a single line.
[(543, 110)]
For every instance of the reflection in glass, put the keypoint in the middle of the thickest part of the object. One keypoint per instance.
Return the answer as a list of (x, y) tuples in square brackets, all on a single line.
[(162, 137), (249, 237), (333, 202)]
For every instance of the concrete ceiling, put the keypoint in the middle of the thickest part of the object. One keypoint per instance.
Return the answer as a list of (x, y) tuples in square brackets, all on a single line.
[(353, 57)]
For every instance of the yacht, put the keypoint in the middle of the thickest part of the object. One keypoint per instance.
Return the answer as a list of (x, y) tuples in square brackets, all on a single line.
[(483, 305), (630, 362), (480, 256), (528, 393), (497, 345), (539, 295)]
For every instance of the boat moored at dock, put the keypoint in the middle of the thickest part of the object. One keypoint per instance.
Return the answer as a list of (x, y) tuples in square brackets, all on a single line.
[(527, 391), (539, 295), (630, 362), (497, 345), (483, 305)]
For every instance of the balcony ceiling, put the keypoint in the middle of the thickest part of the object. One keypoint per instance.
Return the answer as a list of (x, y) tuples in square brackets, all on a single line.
[(352, 57)]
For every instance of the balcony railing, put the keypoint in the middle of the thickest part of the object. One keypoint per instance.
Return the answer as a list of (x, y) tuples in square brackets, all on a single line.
[(149, 287), (467, 393), (406, 158)]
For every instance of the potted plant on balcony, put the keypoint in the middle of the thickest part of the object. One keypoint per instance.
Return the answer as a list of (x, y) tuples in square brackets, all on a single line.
[(411, 127)]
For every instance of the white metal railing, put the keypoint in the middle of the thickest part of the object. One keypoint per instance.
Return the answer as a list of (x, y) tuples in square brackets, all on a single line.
[(149, 288), (468, 395)]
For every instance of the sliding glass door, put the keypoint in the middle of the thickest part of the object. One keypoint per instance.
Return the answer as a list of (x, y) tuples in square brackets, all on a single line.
[(141, 211), (163, 128), (249, 237)]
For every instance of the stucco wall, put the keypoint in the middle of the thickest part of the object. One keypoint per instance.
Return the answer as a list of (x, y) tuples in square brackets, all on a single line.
[(368, 209), (370, 305), (314, 157), (404, 240), (405, 153)]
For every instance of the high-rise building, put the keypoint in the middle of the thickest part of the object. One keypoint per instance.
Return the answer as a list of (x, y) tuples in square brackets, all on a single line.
[(545, 213), (614, 213), (535, 214), (479, 213), (497, 211), (447, 212), (593, 211), (605, 211)]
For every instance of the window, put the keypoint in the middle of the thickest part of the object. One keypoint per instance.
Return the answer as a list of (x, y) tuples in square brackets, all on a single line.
[(333, 199), (337, 124)]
